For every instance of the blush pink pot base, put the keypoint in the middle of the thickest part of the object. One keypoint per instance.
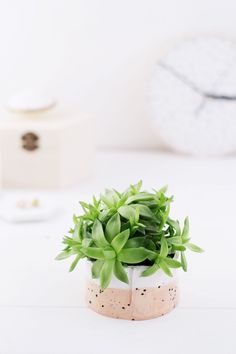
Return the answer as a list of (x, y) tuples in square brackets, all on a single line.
[(133, 304)]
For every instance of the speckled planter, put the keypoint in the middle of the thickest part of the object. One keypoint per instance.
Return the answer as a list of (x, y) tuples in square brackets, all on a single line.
[(143, 298)]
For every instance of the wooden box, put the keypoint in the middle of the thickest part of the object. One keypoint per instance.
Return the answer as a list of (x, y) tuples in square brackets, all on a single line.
[(43, 144)]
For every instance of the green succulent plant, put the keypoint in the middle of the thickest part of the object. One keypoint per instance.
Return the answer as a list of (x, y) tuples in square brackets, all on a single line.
[(128, 228)]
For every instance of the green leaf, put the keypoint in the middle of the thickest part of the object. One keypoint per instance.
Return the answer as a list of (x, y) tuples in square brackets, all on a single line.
[(98, 234), (140, 197), (151, 270), (138, 185), (120, 273), (152, 255), (150, 245), (96, 268), (75, 262), (84, 206), (127, 212), (137, 214), (185, 232), (110, 198), (165, 268), (172, 263), (75, 219), (107, 201), (106, 273), (65, 254), (178, 247), (133, 255), (164, 247), (135, 188), (87, 242), (77, 233), (113, 227), (120, 240), (175, 225), (194, 248), (176, 240), (135, 242), (70, 241), (93, 252), (162, 190), (184, 262), (165, 215), (144, 211), (117, 193), (113, 195), (109, 253)]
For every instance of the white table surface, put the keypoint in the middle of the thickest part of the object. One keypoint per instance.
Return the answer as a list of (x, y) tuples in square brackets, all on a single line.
[(42, 306)]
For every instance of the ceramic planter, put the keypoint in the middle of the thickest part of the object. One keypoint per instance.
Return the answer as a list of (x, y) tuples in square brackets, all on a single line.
[(143, 298)]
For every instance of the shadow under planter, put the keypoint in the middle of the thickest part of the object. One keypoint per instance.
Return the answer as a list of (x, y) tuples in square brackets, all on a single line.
[(143, 298)]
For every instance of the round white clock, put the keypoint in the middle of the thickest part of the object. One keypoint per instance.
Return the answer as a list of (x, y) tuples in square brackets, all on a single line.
[(193, 96)]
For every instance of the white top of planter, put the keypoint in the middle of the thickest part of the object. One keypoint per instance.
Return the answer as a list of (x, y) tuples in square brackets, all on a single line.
[(135, 278), (29, 102)]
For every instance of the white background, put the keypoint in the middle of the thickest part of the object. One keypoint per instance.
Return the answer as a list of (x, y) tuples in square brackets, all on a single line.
[(100, 53)]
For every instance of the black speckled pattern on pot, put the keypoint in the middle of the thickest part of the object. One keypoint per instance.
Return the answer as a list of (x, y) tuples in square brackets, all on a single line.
[(136, 304)]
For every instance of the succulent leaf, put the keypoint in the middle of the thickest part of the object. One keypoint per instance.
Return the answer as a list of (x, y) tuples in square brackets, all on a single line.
[(113, 227), (96, 268), (106, 273), (98, 234), (120, 272), (120, 240)]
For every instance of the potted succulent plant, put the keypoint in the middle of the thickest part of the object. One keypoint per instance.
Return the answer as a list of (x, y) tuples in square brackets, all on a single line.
[(133, 249)]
